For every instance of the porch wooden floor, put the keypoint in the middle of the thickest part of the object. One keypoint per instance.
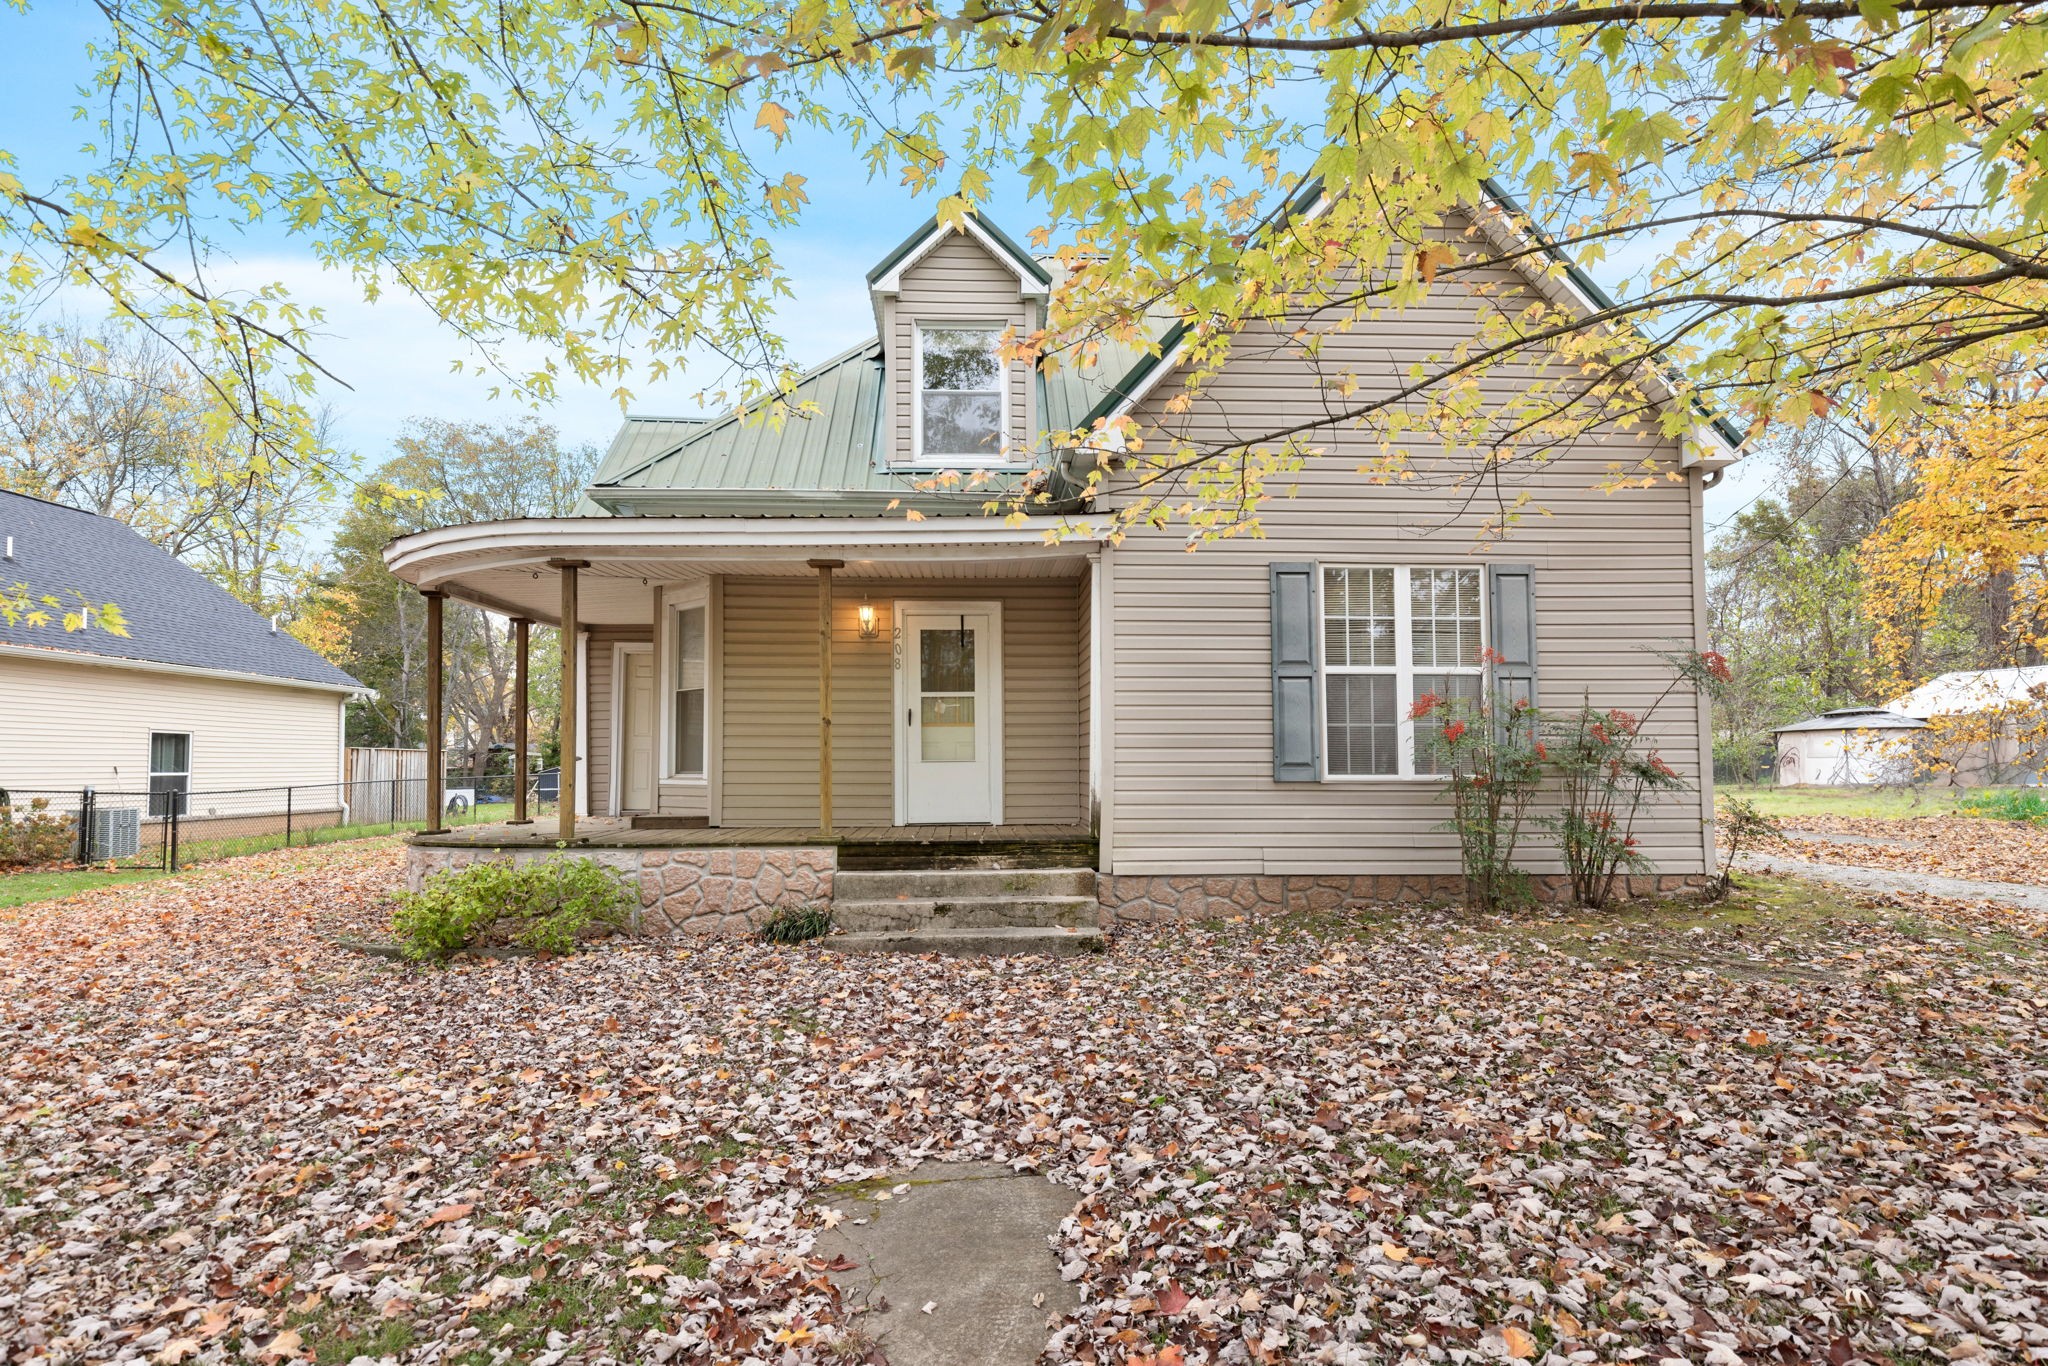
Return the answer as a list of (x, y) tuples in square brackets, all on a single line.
[(617, 832)]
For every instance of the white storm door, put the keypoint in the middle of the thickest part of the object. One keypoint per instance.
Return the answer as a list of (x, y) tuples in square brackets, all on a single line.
[(636, 731), (948, 708)]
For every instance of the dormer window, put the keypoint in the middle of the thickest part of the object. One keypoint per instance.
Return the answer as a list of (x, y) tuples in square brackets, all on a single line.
[(959, 393)]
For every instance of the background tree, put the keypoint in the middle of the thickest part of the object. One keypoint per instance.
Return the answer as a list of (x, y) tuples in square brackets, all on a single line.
[(1840, 204), (109, 420), (446, 472), (1875, 562), (1963, 563)]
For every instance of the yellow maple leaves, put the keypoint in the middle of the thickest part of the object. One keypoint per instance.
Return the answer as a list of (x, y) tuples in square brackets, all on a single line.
[(1978, 517)]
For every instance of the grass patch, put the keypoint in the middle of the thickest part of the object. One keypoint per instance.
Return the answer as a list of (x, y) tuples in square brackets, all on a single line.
[(2006, 804), (22, 889), (1791, 803)]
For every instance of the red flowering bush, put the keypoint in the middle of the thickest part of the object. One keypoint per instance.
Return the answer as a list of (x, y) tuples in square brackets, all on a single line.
[(1608, 769), (1488, 751)]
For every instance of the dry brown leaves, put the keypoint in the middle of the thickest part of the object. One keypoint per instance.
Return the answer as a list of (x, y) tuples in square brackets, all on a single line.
[(222, 1139), (1948, 846)]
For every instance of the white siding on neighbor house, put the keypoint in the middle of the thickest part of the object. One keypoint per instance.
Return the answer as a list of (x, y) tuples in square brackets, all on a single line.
[(70, 725), (1193, 723), (956, 281), (767, 665)]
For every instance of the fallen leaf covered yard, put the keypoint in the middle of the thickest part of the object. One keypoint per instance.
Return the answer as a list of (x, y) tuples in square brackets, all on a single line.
[(802, 638)]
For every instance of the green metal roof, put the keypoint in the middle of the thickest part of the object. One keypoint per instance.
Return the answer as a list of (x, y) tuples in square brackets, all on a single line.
[(830, 460)]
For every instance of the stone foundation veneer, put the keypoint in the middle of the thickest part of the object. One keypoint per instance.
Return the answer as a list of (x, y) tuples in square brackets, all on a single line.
[(682, 891), (1137, 900), (687, 892)]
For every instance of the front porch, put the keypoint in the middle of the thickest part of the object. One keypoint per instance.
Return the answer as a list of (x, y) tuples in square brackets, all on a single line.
[(795, 685), (1068, 842)]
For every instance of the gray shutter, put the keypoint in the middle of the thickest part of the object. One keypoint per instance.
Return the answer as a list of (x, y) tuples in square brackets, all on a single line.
[(1297, 729), (1514, 631)]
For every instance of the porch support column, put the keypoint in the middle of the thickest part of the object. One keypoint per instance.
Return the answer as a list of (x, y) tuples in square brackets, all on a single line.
[(437, 774), (522, 633), (565, 786), (825, 568)]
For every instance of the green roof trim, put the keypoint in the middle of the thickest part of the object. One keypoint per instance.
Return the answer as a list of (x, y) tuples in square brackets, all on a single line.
[(1023, 259)]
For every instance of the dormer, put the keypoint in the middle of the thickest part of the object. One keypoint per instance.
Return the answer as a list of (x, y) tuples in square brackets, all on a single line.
[(943, 300)]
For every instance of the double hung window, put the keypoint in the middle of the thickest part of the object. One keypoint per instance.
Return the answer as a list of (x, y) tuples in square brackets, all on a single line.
[(1392, 634), (959, 393)]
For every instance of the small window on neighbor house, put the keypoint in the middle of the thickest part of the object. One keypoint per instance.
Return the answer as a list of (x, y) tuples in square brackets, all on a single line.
[(692, 676), (170, 773), (960, 393), (1390, 635)]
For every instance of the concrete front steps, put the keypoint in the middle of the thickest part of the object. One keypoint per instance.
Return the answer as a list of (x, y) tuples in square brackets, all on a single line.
[(959, 910)]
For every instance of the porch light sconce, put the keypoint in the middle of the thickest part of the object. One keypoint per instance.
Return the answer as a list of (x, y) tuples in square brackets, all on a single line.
[(869, 629)]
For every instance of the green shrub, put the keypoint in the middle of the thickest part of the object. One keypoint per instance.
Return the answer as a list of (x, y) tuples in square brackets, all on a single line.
[(545, 907), (2006, 804), (33, 834), (795, 924), (1741, 824)]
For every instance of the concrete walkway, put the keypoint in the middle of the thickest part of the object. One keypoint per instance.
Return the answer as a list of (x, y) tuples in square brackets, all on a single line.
[(953, 1263), (2023, 895)]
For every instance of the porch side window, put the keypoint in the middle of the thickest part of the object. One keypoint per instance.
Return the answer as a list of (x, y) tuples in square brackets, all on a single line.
[(960, 393), (691, 675), (170, 773), (1392, 634)]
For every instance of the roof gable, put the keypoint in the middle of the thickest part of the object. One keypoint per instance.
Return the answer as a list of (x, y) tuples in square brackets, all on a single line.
[(1032, 278), (1499, 213), (176, 616)]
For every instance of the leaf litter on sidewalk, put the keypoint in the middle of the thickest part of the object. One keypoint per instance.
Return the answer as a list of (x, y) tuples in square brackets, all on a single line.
[(1349, 1139)]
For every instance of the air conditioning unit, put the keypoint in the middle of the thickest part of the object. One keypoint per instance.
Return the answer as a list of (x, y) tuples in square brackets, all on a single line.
[(116, 833)]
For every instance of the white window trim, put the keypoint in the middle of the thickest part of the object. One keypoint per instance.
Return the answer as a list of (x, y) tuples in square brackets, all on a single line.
[(1403, 669), (678, 600), (185, 794), (1003, 458)]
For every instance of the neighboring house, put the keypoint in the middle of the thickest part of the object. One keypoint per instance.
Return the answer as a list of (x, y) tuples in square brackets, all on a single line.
[(203, 696), (1228, 727), (1969, 728), (1848, 747)]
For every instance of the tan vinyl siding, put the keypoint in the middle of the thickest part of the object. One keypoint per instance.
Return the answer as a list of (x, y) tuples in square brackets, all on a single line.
[(767, 665), (68, 725), (956, 281), (1615, 573), (603, 701)]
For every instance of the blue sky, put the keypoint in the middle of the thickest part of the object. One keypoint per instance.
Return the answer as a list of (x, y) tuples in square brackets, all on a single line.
[(398, 362)]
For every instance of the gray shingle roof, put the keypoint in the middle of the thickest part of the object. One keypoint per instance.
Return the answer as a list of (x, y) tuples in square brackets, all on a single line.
[(175, 614)]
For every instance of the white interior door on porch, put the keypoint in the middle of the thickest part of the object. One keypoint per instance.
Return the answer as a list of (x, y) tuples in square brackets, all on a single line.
[(636, 730), (949, 713)]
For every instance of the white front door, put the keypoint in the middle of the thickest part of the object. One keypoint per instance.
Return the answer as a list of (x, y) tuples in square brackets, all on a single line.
[(636, 731), (949, 709)]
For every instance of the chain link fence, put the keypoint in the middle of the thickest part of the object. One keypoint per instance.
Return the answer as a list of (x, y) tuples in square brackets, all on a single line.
[(171, 828)]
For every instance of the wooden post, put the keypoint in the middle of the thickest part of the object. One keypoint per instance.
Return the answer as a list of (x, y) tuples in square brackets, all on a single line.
[(522, 631), (437, 776), (565, 786), (825, 568)]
